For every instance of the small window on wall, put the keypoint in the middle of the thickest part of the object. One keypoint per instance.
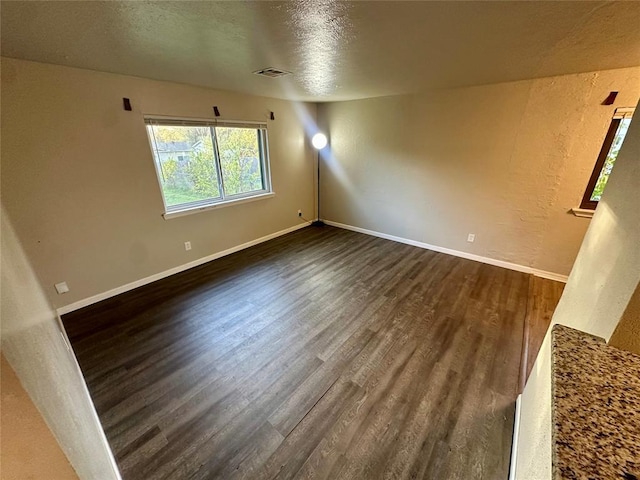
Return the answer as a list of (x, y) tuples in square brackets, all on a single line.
[(201, 164), (607, 158)]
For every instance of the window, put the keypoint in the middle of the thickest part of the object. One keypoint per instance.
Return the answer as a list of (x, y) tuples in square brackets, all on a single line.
[(607, 158), (201, 164)]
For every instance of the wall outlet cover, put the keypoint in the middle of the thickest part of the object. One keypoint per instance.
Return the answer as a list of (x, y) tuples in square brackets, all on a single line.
[(61, 288)]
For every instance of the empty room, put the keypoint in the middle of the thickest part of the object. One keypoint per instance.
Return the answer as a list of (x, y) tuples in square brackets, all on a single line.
[(320, 240)]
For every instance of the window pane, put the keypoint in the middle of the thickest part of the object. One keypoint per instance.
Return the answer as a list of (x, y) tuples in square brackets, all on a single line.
[(240, 163), (610, 160), (185, 162)]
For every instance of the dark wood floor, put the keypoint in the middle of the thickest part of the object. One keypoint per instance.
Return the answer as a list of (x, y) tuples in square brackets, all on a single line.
[(321, 354), (543, 299)]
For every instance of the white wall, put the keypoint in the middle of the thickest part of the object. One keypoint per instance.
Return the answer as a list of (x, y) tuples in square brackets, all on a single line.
[(602, 282), (506, 162), (33, 345), (79, 185)]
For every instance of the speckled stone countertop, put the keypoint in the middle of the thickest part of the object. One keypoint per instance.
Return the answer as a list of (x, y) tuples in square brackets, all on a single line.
[(596, 408)]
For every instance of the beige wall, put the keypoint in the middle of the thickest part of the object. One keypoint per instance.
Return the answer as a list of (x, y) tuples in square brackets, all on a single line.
[(79, 184), (504, 161), (28, 447), (33, 345), (627, 333), (601, 285)]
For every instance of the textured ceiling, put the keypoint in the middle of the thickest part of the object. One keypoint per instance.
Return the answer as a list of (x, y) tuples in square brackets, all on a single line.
[(336, 50)]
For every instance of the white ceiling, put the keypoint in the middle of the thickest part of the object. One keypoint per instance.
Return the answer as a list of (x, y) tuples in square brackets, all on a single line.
[(336, 50)]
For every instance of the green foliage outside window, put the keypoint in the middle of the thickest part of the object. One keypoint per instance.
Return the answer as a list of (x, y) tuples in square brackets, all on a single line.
[(203, 174), (610, 161), (239, 159), (195, 176)]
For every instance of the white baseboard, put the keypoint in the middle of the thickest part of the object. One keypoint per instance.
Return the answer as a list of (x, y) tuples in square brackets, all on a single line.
[(514, 440), (455, 253), (172, 271), (549, 275)]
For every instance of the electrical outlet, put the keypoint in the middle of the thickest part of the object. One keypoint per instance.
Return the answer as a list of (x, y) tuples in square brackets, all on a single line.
[(471, 237), (299, 213), (187, 245), (61, 288)]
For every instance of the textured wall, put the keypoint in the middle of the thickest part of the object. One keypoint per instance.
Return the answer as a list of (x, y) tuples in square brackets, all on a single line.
[(504, 161), (627, 334), (33, 345), (79, 184), (33, 451), (601, 285)]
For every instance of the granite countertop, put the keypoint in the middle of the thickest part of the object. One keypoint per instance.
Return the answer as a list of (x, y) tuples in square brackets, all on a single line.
[(596, 408)]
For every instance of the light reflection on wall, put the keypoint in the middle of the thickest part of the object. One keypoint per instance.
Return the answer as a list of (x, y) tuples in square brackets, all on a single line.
[(336, 168)]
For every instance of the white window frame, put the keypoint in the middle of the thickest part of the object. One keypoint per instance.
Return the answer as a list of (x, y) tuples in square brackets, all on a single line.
[(224, 200)]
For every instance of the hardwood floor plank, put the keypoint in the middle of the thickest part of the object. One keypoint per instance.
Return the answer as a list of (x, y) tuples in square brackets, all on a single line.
[(543, 296), (296, 447), (296, 406), (323, 354)]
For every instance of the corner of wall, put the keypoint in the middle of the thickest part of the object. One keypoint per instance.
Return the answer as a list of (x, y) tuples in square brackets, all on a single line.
[(35, 347)]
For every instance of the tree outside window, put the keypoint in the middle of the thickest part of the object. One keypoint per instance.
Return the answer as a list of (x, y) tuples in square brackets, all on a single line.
[(607, 158)]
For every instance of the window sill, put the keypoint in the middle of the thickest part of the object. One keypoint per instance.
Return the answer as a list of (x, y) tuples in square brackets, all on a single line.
[(214, 206), (582, 212)]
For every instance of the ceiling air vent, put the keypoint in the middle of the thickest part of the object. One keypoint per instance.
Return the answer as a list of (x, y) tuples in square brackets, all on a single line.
[(272, 72)]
